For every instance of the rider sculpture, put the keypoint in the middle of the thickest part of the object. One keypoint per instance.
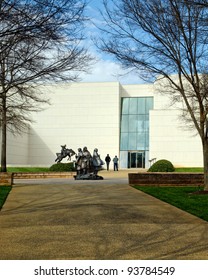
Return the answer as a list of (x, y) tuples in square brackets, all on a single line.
[(64, 153), (87, 166)]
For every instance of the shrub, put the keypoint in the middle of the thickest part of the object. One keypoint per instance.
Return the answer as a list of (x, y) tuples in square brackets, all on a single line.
[(162, 165), (62, 167)]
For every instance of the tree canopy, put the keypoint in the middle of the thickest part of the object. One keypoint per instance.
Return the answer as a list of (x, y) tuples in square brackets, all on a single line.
[(40, 42), (167, 41)]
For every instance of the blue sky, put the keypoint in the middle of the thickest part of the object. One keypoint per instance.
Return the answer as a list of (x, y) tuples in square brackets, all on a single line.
[(106, 69)]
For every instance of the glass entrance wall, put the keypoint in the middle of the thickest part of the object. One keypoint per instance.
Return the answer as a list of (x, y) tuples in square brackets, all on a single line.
[(134, 133), (136, 159)]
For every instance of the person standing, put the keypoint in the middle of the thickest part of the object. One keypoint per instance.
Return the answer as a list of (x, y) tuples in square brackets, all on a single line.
[(115, 163), (107, 160)]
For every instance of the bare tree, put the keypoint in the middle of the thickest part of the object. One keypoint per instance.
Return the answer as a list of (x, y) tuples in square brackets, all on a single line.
[(202, 3), (160, 38), (40, 40)]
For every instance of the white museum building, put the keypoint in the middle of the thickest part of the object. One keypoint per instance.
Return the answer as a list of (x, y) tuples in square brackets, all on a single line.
[(130, 121)]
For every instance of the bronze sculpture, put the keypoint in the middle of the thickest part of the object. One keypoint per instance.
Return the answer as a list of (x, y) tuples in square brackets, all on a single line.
[(87, 166), (64, 153)]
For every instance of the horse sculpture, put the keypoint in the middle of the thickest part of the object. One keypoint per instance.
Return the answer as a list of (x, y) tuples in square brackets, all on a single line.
[(87, 166), (64, 153)]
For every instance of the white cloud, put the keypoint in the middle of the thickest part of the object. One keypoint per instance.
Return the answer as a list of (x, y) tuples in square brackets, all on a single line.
[(110, 71), (105, 69)]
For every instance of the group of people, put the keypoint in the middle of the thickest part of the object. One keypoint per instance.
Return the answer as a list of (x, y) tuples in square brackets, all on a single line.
[(115, 162)]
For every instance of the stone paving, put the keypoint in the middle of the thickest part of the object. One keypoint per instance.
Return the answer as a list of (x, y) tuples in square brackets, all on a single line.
[(96, 220)]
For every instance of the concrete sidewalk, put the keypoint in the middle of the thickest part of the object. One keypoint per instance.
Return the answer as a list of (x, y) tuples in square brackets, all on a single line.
[(107, 219)]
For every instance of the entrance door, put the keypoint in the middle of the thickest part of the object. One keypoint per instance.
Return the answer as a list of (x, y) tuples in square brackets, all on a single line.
[(136, 159)]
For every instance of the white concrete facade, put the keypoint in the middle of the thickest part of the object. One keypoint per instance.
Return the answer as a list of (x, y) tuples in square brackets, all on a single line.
[(89, 114)]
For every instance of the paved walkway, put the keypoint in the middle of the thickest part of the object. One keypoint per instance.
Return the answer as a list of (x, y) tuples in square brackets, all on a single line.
[(108, 219)]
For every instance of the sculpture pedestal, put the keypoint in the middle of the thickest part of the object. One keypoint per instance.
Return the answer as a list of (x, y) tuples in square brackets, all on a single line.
[(89, 176)]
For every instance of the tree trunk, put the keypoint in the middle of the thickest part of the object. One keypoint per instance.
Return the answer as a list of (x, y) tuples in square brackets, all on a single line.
[(4, 138), (205, 154)]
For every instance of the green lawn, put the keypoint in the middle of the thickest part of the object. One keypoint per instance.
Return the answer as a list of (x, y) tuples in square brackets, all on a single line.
[(181, 197), (4, 191), (27, 169), (189, 169)]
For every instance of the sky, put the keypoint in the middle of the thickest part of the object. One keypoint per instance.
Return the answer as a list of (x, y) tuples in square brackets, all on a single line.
[(106, 69)]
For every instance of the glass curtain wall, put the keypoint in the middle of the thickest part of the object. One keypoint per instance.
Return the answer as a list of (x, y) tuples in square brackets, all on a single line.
[(134, 135)]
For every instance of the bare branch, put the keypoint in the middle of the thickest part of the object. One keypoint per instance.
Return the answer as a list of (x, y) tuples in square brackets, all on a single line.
[(162, 38), (40, 41)]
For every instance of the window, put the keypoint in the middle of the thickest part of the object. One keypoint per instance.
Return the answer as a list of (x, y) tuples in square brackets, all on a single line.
[(135, 123)]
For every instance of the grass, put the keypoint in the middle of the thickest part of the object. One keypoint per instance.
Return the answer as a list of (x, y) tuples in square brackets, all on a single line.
[(27, 169), (181, 197), (4, 191), (189, 169)]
